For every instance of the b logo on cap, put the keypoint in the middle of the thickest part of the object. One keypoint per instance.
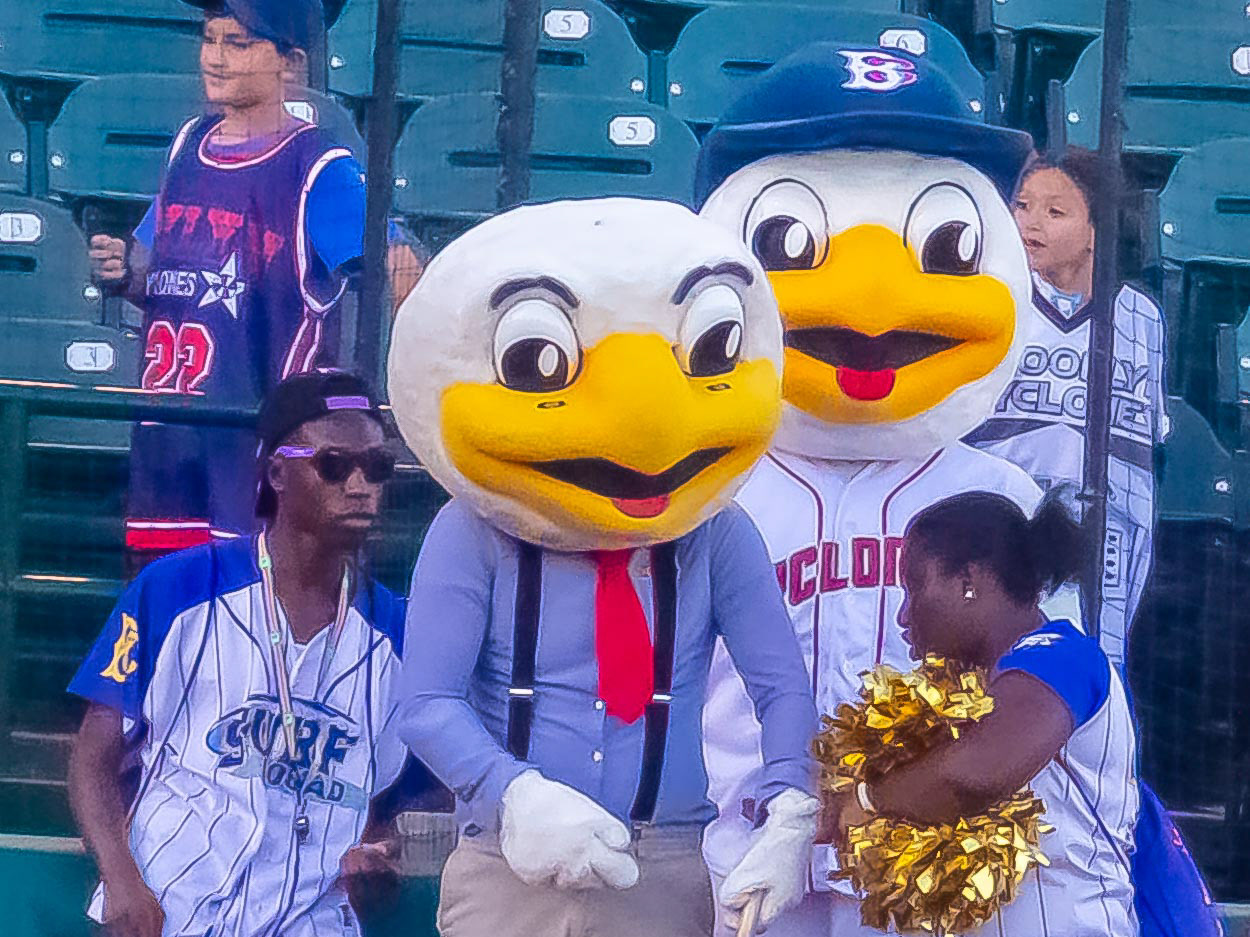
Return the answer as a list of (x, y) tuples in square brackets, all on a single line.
[(877, 71)]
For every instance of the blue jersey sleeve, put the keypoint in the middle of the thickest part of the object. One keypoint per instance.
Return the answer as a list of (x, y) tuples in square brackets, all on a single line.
[(1070, 663), (118, 668), (145, 234), (335, 216)]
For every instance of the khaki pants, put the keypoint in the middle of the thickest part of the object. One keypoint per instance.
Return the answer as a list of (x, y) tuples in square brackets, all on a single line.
[(481, 897)]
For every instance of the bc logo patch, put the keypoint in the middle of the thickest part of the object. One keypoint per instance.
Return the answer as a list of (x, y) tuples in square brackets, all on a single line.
[(123, 665), (1036, 640), (875, 70)]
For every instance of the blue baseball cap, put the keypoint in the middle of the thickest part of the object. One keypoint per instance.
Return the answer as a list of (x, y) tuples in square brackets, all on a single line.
[(283, 22), (830, 96)]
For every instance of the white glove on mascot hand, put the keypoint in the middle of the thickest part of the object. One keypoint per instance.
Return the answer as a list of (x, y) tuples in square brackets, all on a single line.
[(776, 863), (552, 833)]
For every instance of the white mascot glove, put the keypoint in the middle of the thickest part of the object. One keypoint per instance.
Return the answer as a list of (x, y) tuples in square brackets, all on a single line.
[(776, 863), (550, 833)]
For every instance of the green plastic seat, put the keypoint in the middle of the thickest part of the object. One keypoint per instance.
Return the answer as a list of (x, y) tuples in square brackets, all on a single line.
[(113, 134), (721, 49), (50, 311), (1085, 17), (862, 6), (447, 160), (1049, 16), (44, 272), (12, 150), (75, 39), (1204, 210), (451, 48), (1183, 87)]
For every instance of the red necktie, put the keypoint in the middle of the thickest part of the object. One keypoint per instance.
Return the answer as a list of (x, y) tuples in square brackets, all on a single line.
[(622, 639)]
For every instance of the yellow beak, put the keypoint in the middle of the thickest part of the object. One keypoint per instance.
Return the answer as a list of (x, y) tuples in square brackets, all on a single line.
[(633, 445), (871, 338)]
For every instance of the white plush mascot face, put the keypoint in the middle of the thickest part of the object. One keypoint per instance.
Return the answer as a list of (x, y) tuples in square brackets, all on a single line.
[(900, 280), (592, 374)]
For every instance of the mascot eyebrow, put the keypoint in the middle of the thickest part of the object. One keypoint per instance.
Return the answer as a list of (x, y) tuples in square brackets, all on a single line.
[(699, 274), (554, 287)]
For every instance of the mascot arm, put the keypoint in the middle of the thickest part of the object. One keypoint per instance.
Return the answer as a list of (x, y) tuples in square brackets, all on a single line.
[(448, 611), (751, 616)]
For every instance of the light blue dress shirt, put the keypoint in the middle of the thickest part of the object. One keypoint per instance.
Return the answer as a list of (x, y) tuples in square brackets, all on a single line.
[(458, 662)]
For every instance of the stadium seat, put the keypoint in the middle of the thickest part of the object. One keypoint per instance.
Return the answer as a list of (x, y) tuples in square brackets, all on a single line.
[(1049, 16), (721, 48), (51, 313), (1204, 210), (862, 6), (12, 150), (1183, 87), (106, 144), (447, 160), (1193, 463), (44, 273), (452, 48), (76, 39)]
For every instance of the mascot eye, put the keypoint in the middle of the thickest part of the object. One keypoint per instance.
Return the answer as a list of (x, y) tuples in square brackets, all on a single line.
[(944, 230), (786, 227), (784, 243), (711, 335), (536, 349), (953, 248)]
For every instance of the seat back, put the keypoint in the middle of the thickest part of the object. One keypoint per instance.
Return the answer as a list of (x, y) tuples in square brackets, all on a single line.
[(1204, 210), (99, 148), (447, 160), (13, 154), (45, 275), (75, 39), (453, 48), (722, 48), (1183, 87)]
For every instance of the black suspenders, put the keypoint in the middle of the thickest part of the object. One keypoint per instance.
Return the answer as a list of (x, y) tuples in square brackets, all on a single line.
[(529, 586), (525, 648), (664, 592)]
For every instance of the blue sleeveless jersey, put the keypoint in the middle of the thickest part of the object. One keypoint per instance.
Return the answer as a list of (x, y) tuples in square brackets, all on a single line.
[(237, 298)]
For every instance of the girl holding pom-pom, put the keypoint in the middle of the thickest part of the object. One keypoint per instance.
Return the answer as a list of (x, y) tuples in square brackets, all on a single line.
[(974, 568)]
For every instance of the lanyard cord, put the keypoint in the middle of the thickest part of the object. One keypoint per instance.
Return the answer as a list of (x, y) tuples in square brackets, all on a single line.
[(277, 638)]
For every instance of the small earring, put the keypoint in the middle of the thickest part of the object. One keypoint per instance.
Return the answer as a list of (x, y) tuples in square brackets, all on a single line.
[(969, 593)]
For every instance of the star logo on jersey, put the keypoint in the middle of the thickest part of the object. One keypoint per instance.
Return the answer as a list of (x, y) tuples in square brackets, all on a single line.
[(877, 71), (224, 286), (123, 665), (1036, 640)]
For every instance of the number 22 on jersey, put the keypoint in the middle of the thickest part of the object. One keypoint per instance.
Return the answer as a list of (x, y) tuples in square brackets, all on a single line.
[(178, 359)]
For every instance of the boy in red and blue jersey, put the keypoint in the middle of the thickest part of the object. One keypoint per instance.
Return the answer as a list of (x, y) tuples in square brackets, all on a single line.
[(239, 265)]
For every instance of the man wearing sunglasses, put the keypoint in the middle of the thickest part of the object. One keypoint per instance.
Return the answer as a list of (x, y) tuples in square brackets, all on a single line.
[(253, 679)]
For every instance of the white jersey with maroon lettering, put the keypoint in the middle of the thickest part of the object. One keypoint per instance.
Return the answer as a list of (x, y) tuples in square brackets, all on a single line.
[(834, 530), (1039, 424)]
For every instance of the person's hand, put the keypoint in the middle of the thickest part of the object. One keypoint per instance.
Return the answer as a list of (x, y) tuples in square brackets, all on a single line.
[(108, 258), (131, 910), (839, 812), (776, 864), (551, 833), (370, 873)]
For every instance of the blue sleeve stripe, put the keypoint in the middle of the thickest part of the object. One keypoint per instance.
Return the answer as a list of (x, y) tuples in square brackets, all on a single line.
[(118, 668), (1070, 663)]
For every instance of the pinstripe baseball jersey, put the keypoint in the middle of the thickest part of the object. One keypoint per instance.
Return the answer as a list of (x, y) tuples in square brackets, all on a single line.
[(185, 658), (1090, 792), (834, 531), (1039, 424)]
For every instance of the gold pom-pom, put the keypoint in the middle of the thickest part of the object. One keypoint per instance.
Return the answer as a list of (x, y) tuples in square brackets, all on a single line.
[(924, 879)]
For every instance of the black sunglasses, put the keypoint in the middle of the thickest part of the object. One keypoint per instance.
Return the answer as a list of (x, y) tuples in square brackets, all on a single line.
[(336, 465)]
